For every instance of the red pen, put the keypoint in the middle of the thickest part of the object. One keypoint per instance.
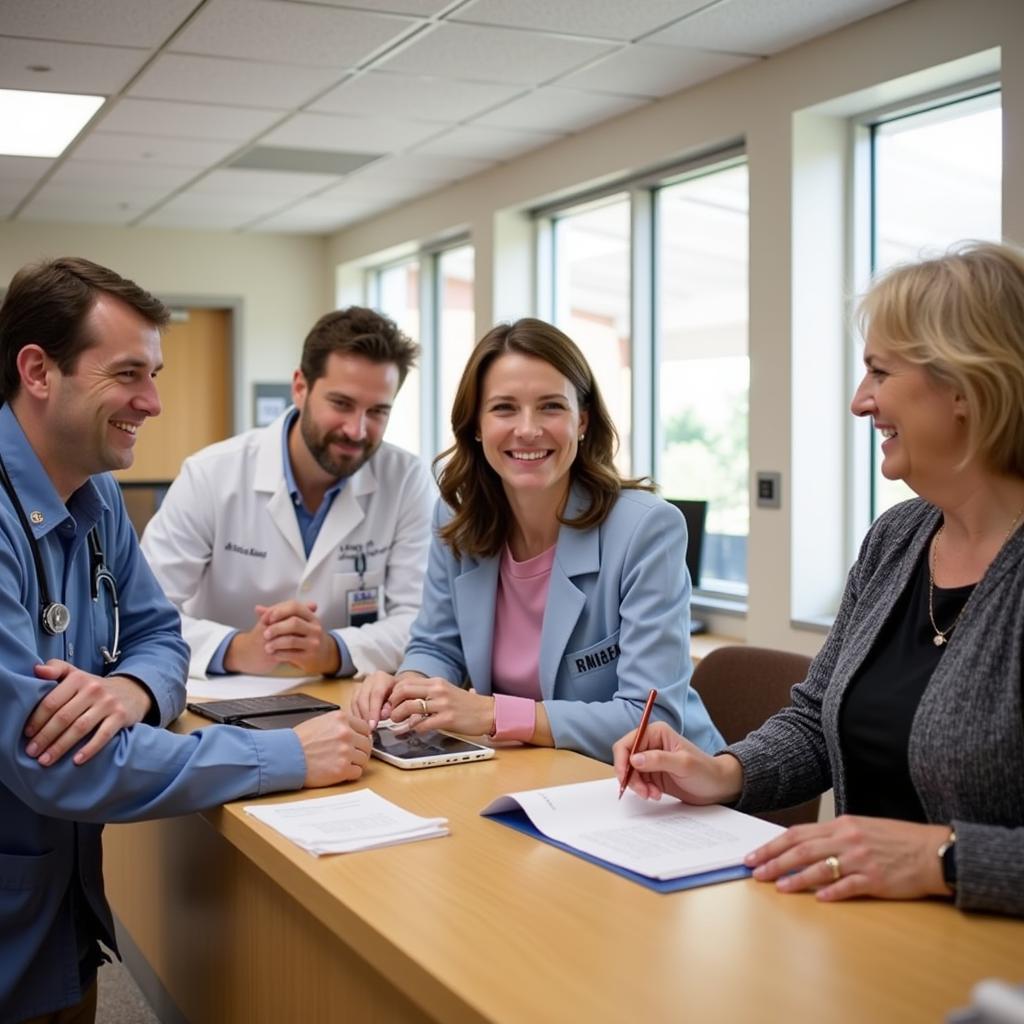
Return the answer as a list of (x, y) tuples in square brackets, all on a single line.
[(644, 719)]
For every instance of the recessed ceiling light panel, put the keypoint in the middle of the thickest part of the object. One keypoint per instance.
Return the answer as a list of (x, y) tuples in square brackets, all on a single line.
[(42, 123)]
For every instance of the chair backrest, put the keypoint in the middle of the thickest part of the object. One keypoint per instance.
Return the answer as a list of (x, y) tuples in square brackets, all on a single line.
[(743, 686)]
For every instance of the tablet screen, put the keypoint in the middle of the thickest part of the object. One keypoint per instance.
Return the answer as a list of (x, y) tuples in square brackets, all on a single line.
[(413, 745)]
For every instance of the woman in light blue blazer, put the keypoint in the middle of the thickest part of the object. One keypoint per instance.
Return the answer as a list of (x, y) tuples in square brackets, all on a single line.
[(555, 587)]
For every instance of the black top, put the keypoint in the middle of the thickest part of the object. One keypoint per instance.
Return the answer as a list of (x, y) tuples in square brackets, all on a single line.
[(879, 706)]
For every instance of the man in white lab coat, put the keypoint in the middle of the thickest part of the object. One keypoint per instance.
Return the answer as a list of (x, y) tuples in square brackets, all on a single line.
[(304, 543)]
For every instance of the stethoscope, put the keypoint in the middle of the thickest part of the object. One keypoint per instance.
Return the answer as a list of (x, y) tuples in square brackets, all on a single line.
[(54, 616)]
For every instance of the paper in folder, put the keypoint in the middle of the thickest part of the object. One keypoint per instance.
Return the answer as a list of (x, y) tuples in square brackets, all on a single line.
[(348, 822), (666, 845)]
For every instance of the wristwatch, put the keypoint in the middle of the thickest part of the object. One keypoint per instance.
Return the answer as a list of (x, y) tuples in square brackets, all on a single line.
[(947, 858)]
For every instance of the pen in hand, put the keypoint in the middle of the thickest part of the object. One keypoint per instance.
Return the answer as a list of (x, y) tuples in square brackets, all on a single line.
[(638, 739)]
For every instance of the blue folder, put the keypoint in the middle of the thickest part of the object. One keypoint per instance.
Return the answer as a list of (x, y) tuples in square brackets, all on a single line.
[(520, 821)]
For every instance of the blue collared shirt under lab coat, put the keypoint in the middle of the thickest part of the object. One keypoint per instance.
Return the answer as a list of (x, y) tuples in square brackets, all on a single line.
[(616, 624), (51, 818)]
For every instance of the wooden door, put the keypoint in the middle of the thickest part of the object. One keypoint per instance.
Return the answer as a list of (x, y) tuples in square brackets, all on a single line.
[(195, 392)]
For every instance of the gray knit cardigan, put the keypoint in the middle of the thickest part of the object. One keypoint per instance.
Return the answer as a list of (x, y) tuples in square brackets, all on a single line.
[(967, 739)]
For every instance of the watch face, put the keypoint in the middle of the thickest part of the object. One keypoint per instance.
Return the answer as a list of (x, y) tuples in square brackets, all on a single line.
[(949, 862)]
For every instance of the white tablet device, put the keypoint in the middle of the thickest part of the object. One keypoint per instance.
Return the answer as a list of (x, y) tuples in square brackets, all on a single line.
[(425, 750)]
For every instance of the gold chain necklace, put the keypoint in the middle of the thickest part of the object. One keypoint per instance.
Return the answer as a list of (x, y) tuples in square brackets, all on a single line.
[(941, 634)]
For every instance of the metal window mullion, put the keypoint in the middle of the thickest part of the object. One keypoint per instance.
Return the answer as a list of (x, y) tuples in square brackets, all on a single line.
[(641, 294)]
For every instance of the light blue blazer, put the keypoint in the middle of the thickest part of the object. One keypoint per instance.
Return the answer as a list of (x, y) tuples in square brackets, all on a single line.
[(616, 624)]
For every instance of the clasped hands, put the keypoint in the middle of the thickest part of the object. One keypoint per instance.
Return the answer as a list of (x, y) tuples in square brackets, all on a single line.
[(876, 857), (423, 703), (287, 633)]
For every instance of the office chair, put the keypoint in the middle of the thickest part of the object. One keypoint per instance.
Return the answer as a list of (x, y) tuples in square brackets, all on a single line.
[(741, 687)]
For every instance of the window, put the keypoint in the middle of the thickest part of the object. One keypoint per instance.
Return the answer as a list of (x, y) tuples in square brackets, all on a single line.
[(937, 179), (431, 298), (456, 329), (650, 280), (591, 293), (703, 370), (395, 293)]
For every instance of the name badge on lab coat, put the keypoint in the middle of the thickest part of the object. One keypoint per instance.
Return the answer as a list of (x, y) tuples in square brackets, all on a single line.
[(363, 605)]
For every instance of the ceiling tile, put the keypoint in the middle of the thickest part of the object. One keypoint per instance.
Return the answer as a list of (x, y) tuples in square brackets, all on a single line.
[(23, 168), (607, 19), (754, 27), (153, 150), (80, 210), (422, 167), (233, 82), (200, 210), (111, 22), (480, 141), (419, 8), (288, 33), (654, 70), (261, 183), (12, 192), (98, 175), (96, 70), (350, 134), (314, 216), (555, 109), (368, 186), (187, 120), (493, 54), (429, 99)]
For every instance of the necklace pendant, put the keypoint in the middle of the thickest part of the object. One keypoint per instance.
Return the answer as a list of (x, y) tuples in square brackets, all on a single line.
[(938, 639)]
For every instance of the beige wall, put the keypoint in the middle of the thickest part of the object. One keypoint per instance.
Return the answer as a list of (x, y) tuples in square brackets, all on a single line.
[(283, 282), (760, 105)]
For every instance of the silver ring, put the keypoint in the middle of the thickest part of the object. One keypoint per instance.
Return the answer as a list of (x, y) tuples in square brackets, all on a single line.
[(833, 866), (424, 705)]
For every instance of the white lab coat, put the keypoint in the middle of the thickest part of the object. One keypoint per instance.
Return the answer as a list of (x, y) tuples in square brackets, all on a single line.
[(226, 539)]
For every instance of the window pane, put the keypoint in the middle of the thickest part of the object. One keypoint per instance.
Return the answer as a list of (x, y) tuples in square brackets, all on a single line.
[(938, 179), (398, 297), (703, 368), (456, 329), (592, 302)]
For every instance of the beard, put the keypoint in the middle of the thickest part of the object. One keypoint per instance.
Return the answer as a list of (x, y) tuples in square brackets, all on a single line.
[(337, 464)]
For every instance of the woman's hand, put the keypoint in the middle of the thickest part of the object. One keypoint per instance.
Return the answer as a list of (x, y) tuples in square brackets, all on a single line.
[(437, 704), (371, 700), (667, 763), (873, 857)]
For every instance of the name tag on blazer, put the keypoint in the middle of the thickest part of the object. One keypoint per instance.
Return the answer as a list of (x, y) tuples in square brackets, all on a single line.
[(594, 658)]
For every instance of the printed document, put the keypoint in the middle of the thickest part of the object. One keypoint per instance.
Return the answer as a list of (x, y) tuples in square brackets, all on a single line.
[(660, 839), (348, 822)]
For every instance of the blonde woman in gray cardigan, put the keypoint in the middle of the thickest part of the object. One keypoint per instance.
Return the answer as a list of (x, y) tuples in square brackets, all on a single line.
[(912, 710)]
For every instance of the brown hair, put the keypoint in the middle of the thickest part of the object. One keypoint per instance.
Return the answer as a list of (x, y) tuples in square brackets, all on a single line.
[(47, 305), (481, 514), (361, 332), (961, 317)]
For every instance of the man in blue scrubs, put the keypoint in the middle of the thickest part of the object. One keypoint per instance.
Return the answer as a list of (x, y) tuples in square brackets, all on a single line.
[(85, 673)]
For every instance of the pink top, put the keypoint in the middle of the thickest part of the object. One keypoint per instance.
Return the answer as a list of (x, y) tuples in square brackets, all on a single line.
[(515, 660)]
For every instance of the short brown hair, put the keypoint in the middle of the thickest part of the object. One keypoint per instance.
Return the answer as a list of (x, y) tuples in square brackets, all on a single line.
[(357, 331), (961, 317), (482, 516), (47, 304)]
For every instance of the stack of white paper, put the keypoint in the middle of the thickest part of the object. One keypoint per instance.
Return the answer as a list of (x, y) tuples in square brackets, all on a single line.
[(348, 822)]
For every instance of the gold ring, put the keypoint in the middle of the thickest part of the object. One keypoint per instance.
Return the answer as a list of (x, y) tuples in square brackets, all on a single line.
[(833, 866), (424, 709)]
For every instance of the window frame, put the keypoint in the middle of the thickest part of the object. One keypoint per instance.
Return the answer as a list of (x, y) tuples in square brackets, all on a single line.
[(641, 191)]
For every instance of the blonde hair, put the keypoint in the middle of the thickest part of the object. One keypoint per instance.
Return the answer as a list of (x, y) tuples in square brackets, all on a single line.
[(961, 316)]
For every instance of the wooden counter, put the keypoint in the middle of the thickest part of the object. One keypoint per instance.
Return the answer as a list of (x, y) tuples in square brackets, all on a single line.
[(490, 925)]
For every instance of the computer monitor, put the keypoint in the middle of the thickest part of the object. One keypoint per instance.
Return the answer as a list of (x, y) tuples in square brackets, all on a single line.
[(695, 513)]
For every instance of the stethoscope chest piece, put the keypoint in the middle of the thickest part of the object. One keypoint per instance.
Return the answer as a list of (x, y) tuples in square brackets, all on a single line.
[(56, 618)]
